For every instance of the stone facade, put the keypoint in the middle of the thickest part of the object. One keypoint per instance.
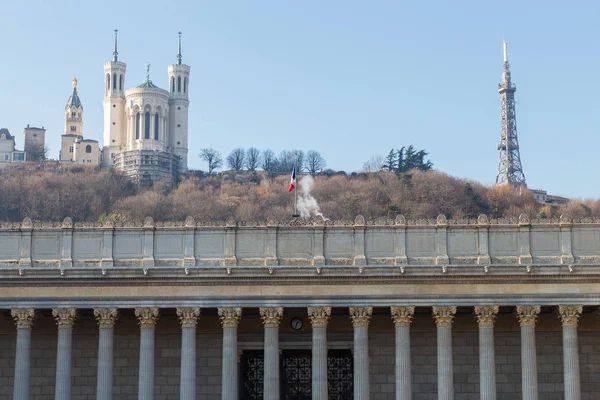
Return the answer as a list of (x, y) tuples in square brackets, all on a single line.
[(428, 309)]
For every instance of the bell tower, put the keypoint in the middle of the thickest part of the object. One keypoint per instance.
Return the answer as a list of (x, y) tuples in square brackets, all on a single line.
[(179, 81), (114, 107), (74, 113)]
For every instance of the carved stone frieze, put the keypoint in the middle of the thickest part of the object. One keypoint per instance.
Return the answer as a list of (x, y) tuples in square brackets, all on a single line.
[(271, 316), (319, 316), (106, 317), (188, 316), (23, 317), (64, 317), (527, 315), (402, 316), (444, 315), (569, 315), (360, 316), (230, 317), (147, 317), (486, 315)]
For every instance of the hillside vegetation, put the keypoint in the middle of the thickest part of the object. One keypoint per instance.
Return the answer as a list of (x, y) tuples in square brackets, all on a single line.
[(89, 194)]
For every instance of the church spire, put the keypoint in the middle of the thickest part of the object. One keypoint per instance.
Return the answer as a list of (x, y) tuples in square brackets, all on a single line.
[(179, 50), (116, 53)]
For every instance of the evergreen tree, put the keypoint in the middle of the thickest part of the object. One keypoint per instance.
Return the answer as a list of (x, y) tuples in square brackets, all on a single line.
[(390, 161)]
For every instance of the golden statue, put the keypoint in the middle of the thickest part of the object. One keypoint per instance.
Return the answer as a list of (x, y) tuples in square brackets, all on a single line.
[(74, 83)]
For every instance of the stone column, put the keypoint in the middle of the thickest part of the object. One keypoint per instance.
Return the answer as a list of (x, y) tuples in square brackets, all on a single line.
[(147, 318), (106, 318), (271, 317), (319, 316), (443, 318), (487, 361), (24, 318), (569, 316), (402, 317), (230, 318), (360, 317), (187, 384), (65, 318), (527, 316)]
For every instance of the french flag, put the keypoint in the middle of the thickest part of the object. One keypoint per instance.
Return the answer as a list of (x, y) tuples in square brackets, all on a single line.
[(292, 180)]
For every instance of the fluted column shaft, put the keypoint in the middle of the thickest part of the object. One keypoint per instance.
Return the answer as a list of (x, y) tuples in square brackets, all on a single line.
[(65, 318), (444, 316), (23, 319), (147, 318), (569, 316), (360, 317), (187, 383), (271, 318), (487, 360), (527, 316), (402, 317), (319, 316), (106, 318), (229, 375)]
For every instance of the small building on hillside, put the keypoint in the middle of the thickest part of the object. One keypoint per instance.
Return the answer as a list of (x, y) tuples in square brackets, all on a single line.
[(34, 143), (8, 153)]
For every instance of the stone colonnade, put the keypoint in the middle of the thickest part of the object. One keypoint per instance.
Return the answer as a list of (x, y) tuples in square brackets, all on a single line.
[(319, 317)]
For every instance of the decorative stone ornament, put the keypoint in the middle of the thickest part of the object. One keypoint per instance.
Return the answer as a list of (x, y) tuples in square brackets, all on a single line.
[(444, 315), (147, 317), (271, 316), (402, 316), (230, 317), (188, 316), (190, 222), (106, 317), (67, 223), (359, 220), (360, 316), (569, 315), (23, 317), (482, 219), (148, 222), (441, 220), (400, 220), (527, 315), (64, 317), (486, 315), (319, 316)]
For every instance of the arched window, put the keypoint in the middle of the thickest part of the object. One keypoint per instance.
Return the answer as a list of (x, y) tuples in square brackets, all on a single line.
[(147, 125), (121, 82), (115, 81), (179, 84), (172, 84), (156, 126), (88, 148), (185, 85), (3, 137), (137, 125), (73, 128), (107, 82)]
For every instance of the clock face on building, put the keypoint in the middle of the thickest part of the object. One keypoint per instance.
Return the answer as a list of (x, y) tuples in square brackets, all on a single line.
[(296, 323)]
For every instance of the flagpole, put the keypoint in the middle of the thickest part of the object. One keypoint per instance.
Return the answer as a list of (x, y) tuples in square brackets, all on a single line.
[(296, 186)]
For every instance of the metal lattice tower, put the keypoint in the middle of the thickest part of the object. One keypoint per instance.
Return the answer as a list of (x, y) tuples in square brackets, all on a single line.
[(510, 170)]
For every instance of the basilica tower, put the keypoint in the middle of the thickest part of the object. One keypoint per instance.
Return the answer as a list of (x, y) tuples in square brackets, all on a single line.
[(179, 80), (114, 107), (74, 113)]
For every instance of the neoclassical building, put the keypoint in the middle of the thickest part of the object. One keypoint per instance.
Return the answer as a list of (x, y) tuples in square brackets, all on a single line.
[(146, 127), (387, 309)]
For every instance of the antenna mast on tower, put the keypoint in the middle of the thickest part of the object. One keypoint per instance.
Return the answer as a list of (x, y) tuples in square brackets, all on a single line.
[(510, 170)]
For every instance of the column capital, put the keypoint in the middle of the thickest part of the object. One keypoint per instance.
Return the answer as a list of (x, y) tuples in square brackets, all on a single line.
[(147, 317), (271, 316), (444, 315), (527, 315), (23, 317), (402, 316), (486, 315), (65, 317), (230, 317), (106, 317), (569, 315), (188, 316), (360, 316), (319, 316)]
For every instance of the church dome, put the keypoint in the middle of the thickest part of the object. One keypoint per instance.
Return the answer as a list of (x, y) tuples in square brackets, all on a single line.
[(74, 100)]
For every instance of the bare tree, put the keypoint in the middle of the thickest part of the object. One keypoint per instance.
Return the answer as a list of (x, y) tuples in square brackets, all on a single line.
[(213, 158), (36, 152), (314, 162), (268, 161), (235, 159), (252, 158), (374, 164), (288, 159)]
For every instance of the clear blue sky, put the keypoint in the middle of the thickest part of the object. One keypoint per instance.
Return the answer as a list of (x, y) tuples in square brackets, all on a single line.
[(348, 78)]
